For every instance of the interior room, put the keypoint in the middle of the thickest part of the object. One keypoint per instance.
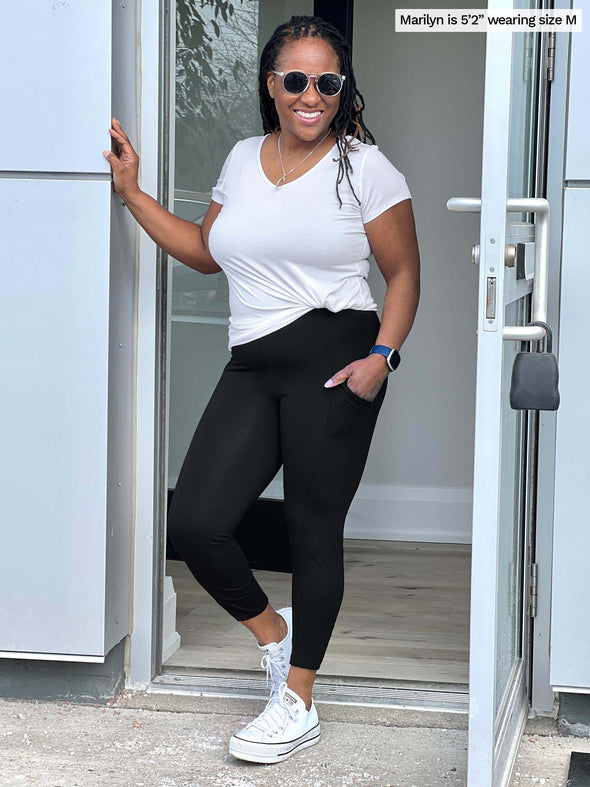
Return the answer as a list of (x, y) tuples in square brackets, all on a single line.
[(405, 616)]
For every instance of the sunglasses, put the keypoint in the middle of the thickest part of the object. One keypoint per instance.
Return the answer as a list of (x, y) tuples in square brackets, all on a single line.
[(296, 82)]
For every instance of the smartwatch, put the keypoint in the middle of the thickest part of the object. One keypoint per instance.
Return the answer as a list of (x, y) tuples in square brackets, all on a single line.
[(391, 356)]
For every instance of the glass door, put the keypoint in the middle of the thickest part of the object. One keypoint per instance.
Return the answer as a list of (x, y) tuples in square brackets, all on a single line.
[(512, 291)]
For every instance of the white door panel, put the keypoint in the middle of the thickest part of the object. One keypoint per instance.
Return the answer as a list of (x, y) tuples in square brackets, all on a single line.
[(509, 298), (54, 311), (56, 106)]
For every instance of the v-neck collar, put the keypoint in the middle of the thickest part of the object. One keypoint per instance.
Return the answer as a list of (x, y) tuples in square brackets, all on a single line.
[(291, 182)]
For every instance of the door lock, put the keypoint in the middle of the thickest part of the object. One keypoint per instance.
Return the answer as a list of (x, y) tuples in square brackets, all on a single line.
[(491, 290), (509, 255)]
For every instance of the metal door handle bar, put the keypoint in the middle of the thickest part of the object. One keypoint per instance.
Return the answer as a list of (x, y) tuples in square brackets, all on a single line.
[(540, 207)]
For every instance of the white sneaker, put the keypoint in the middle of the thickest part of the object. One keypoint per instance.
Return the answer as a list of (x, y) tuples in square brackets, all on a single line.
[(277, 655), (283, 728)]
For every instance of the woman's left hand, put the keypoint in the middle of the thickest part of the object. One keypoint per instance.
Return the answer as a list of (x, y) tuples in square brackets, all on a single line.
[(366, 375)]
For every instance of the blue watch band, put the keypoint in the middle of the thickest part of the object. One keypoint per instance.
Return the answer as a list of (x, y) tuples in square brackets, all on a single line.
[(391, 356)]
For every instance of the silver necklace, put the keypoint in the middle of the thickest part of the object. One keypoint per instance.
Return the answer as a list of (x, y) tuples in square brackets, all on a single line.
[(285, 174)]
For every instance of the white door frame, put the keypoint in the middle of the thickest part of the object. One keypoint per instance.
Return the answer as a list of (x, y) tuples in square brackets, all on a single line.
[(140, 657)]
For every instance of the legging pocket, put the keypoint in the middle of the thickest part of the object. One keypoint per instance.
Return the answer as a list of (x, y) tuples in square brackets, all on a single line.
[(357, 400)]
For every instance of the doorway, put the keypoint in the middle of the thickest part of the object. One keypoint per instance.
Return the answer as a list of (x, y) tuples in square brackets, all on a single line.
[(404, 622), (404, 630)]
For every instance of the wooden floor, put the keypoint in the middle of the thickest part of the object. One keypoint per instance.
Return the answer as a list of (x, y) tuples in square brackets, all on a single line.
[(405, 616)]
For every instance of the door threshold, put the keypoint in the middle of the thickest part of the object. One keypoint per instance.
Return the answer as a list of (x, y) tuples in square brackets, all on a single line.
[(437, 704)]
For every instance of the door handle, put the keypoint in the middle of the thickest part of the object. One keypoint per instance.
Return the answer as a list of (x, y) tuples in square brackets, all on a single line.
[(540, 207)]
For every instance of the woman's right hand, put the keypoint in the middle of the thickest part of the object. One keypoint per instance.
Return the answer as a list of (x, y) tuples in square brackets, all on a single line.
[(125, 166)]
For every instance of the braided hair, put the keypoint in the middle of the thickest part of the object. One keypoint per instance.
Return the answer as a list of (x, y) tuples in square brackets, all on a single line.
[(349, 118)]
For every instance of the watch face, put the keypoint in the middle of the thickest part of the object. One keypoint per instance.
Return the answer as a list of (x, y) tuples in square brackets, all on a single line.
[(393, 359)]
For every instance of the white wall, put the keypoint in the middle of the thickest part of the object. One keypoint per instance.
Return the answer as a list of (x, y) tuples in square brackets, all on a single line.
[(424, 98)]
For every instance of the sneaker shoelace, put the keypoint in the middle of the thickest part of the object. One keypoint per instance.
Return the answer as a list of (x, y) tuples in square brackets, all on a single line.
[(274, 663), (275, 717)]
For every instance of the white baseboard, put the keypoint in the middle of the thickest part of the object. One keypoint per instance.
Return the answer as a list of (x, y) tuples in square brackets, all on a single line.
[(404, 513), (171, 638), (410, 513), (438, 514)]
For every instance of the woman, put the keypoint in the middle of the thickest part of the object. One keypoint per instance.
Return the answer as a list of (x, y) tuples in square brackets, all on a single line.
[(294, 216)]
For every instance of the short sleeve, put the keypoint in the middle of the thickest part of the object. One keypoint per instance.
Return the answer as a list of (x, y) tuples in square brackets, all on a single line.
[(381, 184), (218, 191)]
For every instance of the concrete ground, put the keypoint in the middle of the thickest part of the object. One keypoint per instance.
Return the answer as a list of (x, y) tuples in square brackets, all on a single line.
[(57, 744)]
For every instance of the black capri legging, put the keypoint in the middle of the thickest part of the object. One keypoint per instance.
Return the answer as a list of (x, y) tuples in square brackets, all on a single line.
[(270, 408)]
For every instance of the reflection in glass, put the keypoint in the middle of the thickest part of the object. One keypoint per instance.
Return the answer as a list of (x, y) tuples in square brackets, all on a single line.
[(216, 104)]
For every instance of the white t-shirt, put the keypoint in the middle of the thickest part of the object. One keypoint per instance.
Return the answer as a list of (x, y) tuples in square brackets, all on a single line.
[(293, 249)]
